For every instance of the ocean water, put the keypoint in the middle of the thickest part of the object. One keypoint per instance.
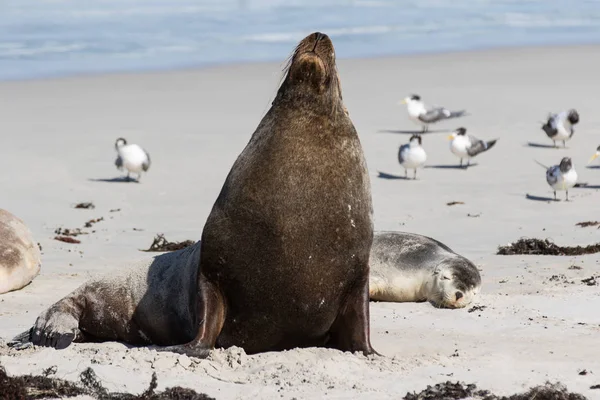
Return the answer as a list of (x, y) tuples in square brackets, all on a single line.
[(42, 38)]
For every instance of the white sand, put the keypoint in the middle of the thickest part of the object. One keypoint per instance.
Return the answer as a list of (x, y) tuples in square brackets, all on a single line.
[(57, 135)]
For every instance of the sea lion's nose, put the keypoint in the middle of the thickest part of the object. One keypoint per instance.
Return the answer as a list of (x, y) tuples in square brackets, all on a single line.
[(458, 295)]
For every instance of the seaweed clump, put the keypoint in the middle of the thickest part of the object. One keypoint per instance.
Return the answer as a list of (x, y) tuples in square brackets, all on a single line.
[(40, 387), (458, 390), (532, 246), (161, 244)]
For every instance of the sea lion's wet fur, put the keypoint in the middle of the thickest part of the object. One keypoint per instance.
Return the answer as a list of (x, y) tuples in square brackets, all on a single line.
[(284, 252), (20, 258), (406, 267)]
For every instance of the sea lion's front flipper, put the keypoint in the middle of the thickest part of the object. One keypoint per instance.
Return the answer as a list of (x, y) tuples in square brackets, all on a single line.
[(211, 316), (56, 327), (22, 341)]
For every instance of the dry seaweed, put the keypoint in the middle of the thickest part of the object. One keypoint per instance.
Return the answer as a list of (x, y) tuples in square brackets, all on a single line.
[(69, 232), (35, 387), (92, 222), (476, 308), (86, 206), (458, 390), (448, 391), (549, 391), (67, 239), (587, 223), (545, 247), (161, 244), (38, 387), (591, 281)]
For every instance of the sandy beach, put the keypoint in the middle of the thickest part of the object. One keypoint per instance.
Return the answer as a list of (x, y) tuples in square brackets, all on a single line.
[(537, 322)]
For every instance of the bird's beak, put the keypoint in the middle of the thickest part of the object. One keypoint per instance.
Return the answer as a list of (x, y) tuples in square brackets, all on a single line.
[(403, 101), (594, 157), (450, 137)]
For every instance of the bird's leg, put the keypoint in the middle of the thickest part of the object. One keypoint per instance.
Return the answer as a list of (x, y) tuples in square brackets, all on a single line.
[(424, 129), (564, 144), (567, 195), (128, 178), (555, 146), (139, 176), (555, 195), (461, 162), (468, 162), (415, 177), (405, 173)]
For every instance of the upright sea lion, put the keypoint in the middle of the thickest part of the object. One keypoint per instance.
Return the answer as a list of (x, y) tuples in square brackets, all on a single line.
[(406, 267), (19, 255), (284, 258)]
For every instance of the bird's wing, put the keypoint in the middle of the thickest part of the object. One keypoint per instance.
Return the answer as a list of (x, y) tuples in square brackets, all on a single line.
[(550, 126), (434, 114), (119, 162), (146, 164), (401, 152), (552, 174), (476, 146)]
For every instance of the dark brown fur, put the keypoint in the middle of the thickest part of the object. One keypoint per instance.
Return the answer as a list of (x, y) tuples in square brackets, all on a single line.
[(285, 250), (284, 253)]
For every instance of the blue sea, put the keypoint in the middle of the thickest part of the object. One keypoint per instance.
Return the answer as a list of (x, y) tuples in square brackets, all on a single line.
[(43, 38)]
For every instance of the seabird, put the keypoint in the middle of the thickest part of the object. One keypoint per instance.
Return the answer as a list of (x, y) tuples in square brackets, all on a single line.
[(423, 116), (412, 155), (560, 126), (562, 176), (597, 154), (131, 157), (467, 146)]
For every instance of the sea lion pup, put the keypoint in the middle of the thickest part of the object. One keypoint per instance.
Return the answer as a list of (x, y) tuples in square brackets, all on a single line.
[(20, 259), (406, 267), (284, 258)]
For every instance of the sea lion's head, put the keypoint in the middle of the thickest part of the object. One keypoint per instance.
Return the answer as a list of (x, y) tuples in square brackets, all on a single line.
[(456, 283), (311, 73)]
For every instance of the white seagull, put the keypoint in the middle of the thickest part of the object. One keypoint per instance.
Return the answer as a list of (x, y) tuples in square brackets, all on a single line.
[(597, 154), (412, 155), (423, 116), (131, 157), (467, 146), (560, 126), (562, 176)]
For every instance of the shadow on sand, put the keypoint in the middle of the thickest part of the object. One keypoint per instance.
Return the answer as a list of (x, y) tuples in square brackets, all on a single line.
[(586, 186), (544, 146), (415, 132), (456, 166), (385, 175), (539, 198), (593, 166), (120, 179)]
